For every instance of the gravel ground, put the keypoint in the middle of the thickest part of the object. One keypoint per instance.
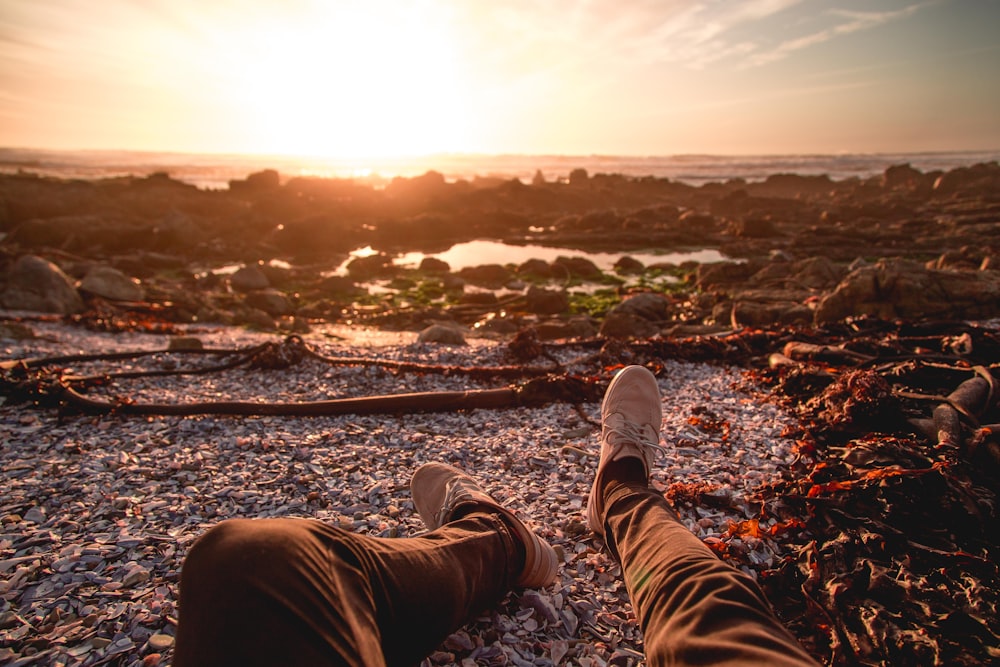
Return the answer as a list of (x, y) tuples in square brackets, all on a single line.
[(98, 512)]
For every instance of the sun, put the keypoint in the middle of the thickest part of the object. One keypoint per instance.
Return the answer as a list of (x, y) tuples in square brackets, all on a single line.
[(350, 79)]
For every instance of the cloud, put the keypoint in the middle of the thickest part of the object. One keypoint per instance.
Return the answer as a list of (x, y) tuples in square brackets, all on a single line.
[(847, 22), (589, 35)]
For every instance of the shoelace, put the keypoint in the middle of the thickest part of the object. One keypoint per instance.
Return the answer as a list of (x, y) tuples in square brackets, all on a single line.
[(634, 433)]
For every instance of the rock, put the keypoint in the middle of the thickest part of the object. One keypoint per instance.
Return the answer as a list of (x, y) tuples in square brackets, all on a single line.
[(16, 331), (966, 179), (434, 265), (443, 334), (753, 227), (497, 325), (493, 276), (478, 299), (340, 286), (37, 284), (629, 265), (373, 266), (185, 343), (792, 186), (177, 231), (271, 301), (159, 642), (894, 288), (902, 177), (35, 515), (543, 301), (577, 267), (261, 181), (247, 278), (578, 327), (538, 268), (693, 221), (648, 306), (763, 314), (277, 276), (627, 325), (817, 273), (110, 283), (723, 273), (256, 318)]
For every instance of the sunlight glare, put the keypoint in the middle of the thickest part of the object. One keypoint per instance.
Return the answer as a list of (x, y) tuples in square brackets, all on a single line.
[(352, 79)]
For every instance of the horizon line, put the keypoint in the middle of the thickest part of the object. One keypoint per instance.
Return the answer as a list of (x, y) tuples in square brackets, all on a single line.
[(475, 154)]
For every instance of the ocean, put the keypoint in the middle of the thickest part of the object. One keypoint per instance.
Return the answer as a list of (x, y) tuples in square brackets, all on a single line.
[(214, 171)]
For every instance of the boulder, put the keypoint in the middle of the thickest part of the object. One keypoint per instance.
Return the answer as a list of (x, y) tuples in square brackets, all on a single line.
[(271, 301), (649, 306), (817, 273), (267, 180), (724, 273), (538, 268), (443, 334), (897, 288), (373, 266), (177, 231), (577, 267), (478, 299), (543, 301), (247, 278), (493, 276), (434, 265), (902, 177), (576, 327), (37, 284), (340, 286), (982, 176), (629, 265), (753, 227), (627, 325), (110, 283), (185, 343), (744, 313), (277, 275), (256, 318)]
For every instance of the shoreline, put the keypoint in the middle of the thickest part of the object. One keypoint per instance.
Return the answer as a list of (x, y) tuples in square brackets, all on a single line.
[(214, 171)]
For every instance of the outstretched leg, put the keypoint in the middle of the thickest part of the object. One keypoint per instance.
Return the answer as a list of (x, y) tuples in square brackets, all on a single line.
[(300, 592), (692, 607)]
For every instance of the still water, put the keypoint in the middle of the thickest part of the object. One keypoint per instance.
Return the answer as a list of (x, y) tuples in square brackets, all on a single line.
[(475, 253)]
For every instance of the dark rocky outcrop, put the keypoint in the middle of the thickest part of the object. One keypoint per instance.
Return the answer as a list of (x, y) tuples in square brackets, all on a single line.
[(543, 301), (899, 288), (110, 283), (36, 284), (791, 240)]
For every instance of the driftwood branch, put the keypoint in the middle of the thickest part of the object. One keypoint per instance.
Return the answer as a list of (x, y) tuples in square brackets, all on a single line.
[(533, 393)]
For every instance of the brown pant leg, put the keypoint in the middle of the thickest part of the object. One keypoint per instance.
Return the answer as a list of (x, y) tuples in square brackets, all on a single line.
[(693, 608), (300, 592)]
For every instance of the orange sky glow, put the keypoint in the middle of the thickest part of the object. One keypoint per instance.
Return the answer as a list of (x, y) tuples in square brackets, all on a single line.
[(383, 78)]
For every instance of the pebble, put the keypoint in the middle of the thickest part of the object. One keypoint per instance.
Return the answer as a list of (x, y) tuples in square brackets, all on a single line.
[(98, 513)]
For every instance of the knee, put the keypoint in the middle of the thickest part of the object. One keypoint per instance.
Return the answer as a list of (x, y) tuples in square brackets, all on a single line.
[(239, 547)]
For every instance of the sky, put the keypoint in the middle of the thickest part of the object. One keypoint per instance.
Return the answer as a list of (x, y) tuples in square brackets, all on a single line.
[(382, 78)]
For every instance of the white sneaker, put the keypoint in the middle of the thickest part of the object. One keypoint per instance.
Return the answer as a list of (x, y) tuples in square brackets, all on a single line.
[(631, 417)]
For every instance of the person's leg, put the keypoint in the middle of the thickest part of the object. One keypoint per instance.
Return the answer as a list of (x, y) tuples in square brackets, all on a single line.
[(300, 592), (692, 607)]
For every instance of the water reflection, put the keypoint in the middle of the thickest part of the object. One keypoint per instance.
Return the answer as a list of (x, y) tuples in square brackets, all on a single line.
[(476, 253)]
